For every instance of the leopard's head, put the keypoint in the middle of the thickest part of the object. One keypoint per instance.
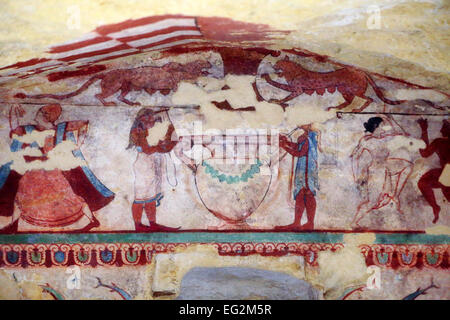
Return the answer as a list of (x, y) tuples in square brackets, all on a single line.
[(284, 65), (199, 67)]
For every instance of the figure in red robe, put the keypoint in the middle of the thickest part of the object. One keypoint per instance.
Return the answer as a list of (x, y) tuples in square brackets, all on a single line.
[(44, 196)]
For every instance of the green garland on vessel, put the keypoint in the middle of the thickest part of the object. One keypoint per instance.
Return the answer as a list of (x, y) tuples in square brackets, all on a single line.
[(248, 174)]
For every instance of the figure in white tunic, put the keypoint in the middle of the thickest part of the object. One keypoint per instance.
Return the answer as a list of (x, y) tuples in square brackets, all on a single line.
[(152, 134)]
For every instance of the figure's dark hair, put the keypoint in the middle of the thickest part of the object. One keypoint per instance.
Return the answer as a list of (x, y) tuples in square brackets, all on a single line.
[(138, 124), (372, 124), (51, 112)]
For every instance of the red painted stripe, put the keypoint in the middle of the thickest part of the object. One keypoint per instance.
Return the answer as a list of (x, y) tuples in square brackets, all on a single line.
[(131, 53), (29, 73), (111, 28), (25, 76), (96, 53), (33, 72), (86, 70), (118, 56), (226, 29), (26, 63), (78, 45), (173, 39), (157, 33), (173, 51)]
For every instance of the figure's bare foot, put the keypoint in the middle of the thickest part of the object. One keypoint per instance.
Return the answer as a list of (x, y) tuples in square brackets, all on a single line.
[(154, 227), (158, 227), (358, 228), (93, 224), (384, 200), (139, 227), (355, 224), (308, 226), (290, 227)]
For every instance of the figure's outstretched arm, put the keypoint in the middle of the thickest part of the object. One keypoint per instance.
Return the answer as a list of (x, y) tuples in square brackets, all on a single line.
[(285, 137), (396, 127), (169, 141), (358, 149), (424, 127), (292, 147), (430, 147), (81, 127), (429, 150), (139, 138), (178, 150)]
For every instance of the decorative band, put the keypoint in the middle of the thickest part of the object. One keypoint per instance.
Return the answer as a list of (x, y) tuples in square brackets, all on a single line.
[(156, 198), (123, 254)]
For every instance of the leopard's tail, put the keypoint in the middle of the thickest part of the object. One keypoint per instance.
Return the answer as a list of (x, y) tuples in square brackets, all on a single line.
[(84, 87), (259, 97), (421, 102), (380, 94)]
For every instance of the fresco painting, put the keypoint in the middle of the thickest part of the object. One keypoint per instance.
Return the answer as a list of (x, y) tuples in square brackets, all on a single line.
[(161, 144), (44, 196)]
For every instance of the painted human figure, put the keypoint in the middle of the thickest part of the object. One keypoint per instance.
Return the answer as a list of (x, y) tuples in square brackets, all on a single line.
[(43, 192), (430, 180), (305, 176), (151, 134), (372, 160)]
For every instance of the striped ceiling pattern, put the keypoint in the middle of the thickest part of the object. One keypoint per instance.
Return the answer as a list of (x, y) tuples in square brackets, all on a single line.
[(110, 42)]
